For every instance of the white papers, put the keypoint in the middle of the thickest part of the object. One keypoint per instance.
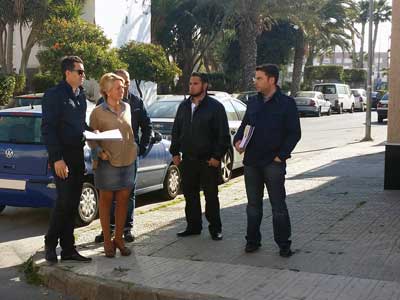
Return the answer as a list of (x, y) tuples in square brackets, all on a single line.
[(247, 134), (114, 134)]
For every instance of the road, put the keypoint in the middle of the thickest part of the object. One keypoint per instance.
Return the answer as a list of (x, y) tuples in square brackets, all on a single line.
[(22, 229)]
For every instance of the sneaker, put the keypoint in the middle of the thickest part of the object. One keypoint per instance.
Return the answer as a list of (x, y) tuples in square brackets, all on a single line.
[(128, 237), (50, 254), (286, 252)]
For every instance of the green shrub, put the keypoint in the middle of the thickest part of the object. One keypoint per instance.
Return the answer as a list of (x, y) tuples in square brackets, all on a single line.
[(20, 82), (7, 87), (355, 76), (42, 82), (326, 73)]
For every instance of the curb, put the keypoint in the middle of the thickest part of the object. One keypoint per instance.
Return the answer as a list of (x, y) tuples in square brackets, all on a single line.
[(94, 288)]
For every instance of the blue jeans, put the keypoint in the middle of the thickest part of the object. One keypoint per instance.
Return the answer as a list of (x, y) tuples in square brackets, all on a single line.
[(131, 204), (273, 177)]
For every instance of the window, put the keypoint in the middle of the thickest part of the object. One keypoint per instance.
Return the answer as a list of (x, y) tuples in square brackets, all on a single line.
[(240, 108), (342, 89), (325, 89), (305, 94), (20, 129), (163, 109), (230, 111)]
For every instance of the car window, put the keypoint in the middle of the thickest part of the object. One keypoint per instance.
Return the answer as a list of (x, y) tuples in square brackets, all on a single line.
[(163, 109), (230, 111), (325, 89), (20, 129), (341, 89), (240, 108), (385, 97), (355, 93), (305, 94)]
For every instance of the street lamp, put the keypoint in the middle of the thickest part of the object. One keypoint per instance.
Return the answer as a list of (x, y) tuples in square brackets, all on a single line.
[(369, 82)]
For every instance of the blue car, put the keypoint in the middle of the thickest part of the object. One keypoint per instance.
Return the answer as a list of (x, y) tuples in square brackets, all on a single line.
[(27, 181)]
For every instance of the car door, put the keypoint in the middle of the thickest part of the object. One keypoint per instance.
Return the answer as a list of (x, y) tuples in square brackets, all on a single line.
[(152, 168), (234, 125)]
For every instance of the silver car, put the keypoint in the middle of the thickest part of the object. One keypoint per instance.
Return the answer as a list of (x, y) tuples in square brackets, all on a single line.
[(163, 111), (312, 103)]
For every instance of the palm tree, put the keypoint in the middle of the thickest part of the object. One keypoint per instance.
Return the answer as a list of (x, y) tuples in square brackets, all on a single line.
[(382, 13), (363, 8)]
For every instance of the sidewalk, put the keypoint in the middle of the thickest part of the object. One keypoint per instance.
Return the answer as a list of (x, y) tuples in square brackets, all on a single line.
[(345, 235)]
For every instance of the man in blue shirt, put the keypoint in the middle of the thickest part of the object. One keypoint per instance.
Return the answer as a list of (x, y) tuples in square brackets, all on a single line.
[(63, 124), (277, 130)]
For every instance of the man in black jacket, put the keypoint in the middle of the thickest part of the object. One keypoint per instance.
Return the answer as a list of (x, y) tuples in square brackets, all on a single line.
[(63, 123), (201, 133), (276, 132), (140, 120)]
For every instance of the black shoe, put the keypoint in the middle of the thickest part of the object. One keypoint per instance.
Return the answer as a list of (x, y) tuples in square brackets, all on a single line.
[(100, 238), (286, 252), (50, 254), (188, 233), (128, 237), (252, 247), (217, 236), (75, 256)]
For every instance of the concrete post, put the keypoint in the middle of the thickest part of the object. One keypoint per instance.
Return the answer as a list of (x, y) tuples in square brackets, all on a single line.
[(392, 154)]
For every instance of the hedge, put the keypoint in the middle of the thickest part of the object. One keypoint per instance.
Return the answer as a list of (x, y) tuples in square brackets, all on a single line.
[(42, 82), (325, 73), (7, 87)]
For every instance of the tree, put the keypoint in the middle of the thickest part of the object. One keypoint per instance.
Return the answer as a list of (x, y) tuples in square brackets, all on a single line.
[(61, 37), (148, 62), (363, 8), (382, 13), (188, 29)]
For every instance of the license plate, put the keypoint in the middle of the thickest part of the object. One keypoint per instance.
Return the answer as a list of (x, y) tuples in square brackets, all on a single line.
[(19, 185)]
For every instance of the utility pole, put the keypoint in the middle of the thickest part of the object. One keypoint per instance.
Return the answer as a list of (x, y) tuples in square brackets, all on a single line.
[(367, 136)]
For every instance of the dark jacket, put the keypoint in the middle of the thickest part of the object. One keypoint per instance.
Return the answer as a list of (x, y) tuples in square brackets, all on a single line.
[(63, 120), (203, 136), (276, 129), (140, 119)]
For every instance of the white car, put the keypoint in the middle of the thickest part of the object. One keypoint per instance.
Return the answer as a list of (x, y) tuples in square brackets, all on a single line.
[(312, 103), (338, 94), (162, 114), (360, 99)]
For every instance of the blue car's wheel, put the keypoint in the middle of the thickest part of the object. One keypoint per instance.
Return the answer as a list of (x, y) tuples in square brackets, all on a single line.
[(172, 183), (88, 206), (2, 207)]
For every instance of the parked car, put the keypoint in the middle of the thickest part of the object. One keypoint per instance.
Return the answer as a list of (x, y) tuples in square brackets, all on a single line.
[(163, 111), (244, 96), (338, 94), (26, 100), (382, 108), (360, 99), (27, 181), (312, 103), (375, 98)]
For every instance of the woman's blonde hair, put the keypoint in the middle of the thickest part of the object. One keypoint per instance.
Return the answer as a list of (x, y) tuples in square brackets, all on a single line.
[(107, 82)]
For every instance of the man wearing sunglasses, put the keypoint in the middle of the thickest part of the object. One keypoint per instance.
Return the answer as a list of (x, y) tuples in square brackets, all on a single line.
[(63, 124)]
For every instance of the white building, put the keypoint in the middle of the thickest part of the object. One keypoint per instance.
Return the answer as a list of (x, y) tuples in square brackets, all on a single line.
[(121, 21)]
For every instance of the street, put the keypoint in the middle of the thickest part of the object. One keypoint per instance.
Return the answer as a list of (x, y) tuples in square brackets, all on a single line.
[(22, 229)]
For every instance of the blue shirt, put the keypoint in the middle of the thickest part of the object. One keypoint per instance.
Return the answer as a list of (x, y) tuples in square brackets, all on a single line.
[(276, 129)]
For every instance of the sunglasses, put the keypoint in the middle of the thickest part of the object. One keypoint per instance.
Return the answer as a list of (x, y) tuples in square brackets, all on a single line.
[(80, 72)]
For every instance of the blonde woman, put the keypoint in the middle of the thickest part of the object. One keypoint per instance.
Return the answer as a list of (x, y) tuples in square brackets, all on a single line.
[(113, 160)]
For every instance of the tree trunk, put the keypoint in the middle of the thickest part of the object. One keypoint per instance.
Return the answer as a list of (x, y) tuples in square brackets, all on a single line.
[(376, 24), (298, 62), (321, 60), (248, 52), (10, 52), (3, 45), (311, 56), (353, 51), (30, 42), (361, 57)]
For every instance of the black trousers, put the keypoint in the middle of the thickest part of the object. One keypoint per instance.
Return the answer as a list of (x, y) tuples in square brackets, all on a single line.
[(62, 221), (197, 174)]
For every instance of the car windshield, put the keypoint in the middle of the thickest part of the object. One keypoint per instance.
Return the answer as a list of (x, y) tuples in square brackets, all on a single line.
[(18, 129), (325, 89), (385, 97), (163, 109), (27, 101), (305, 94), (355, 93)]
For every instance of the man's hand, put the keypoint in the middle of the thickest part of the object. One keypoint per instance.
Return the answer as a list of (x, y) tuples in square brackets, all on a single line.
[(61, 169), (237, 146), (277, 159), (104, 155), (177, 160), (213, 163)]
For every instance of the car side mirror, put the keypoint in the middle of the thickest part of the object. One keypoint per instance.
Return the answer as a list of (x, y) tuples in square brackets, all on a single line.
[(156, 137)]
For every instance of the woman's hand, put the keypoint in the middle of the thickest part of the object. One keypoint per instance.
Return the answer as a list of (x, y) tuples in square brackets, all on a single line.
[(103, 155)]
